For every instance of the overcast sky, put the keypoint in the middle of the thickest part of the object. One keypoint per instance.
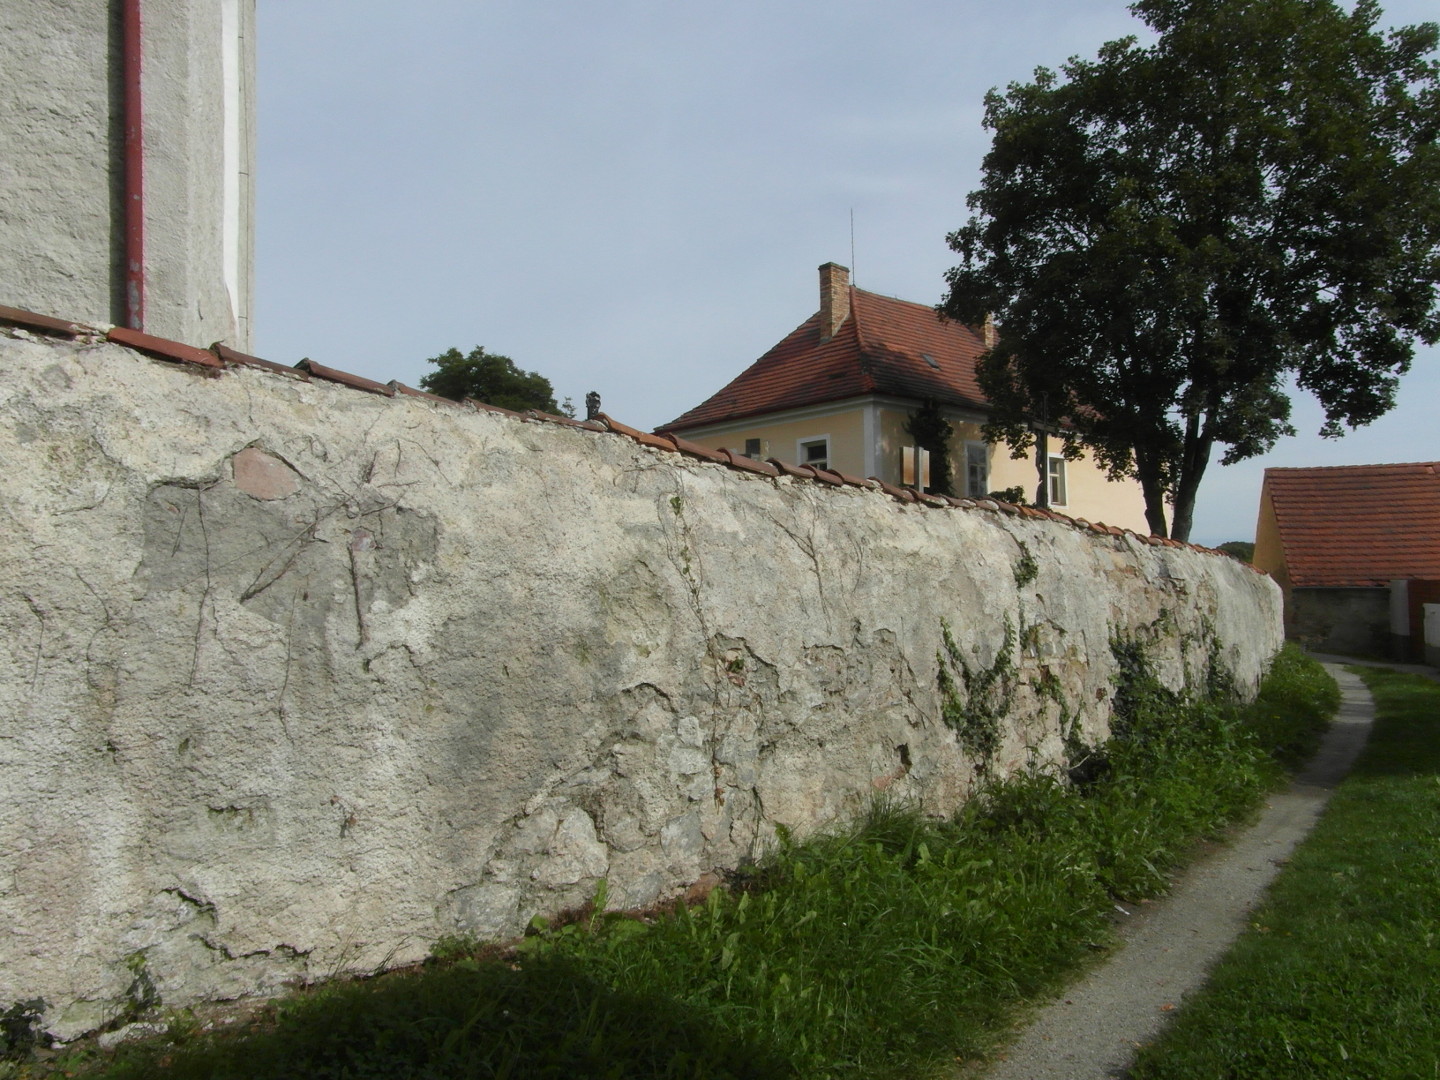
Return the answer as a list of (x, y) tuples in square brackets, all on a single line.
[(633, 196)]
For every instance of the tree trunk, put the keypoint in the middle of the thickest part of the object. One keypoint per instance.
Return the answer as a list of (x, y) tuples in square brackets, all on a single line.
[(1194, 458), (1184, 510), (1042, 461), (1185, 492), (1154, 493)]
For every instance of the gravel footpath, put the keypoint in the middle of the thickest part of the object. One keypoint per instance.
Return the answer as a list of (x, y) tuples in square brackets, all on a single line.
[(1168, 946)]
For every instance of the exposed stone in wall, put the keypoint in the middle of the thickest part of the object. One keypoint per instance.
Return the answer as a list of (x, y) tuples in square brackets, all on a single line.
[(300, 678)]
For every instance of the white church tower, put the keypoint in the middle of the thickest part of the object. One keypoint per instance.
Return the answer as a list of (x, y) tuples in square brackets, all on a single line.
[(127, 138)]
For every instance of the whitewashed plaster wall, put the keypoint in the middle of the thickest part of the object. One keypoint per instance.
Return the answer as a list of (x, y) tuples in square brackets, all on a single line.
[(300, 678)]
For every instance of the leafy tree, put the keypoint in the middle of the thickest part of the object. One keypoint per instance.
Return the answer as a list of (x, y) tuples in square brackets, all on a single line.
[(1170, 232), (1243, 550), (931, 431), (488, 377)]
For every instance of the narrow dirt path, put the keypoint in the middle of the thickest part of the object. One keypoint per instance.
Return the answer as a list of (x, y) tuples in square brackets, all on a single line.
[(1093, 1030)]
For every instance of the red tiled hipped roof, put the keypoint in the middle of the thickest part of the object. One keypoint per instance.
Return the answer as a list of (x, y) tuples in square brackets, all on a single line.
[(1354, 525), (880, 349)]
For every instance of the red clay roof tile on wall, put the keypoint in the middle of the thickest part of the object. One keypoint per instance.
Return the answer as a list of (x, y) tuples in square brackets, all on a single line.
[(903, 494), (359, 382), (880, 349), (230, 356), (409, 391), (704, 453), (29, 320), (164, 348), (554, 418), (1354, 525), (481, 406), (644, 438), (804, 472), (222, 356), (854, 481), (616, 426), (740, 461)]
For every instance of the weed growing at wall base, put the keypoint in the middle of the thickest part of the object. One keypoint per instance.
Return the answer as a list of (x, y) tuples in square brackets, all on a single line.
[(20, 1031), (888, 950)]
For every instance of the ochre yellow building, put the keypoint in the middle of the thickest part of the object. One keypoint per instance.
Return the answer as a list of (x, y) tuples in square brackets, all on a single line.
[(836, 394)]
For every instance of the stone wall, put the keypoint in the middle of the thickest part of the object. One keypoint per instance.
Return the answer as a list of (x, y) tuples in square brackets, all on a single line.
[(302, 677)]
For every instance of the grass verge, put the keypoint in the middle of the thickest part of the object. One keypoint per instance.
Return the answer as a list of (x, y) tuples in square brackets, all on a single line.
[(893, 949), (1337, 975)]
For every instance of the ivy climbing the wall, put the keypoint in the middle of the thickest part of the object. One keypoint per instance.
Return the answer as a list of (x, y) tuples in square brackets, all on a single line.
[(975, 714)]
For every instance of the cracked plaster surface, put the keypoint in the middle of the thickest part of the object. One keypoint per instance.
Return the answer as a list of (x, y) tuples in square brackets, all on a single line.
[(301, 678)]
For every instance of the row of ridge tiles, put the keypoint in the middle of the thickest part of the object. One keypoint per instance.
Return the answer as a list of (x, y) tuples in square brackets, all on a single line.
[(218, 356)]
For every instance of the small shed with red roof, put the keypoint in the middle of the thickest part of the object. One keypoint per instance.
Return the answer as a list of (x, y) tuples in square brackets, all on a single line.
[(1356, 550)]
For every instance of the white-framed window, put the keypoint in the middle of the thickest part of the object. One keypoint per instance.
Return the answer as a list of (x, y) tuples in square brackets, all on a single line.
[(1055, 474), (814, 451), (977, 470)]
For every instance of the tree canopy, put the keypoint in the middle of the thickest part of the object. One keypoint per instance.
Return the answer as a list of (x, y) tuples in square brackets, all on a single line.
[(488, 377), (1244, 550), (1169, 233)]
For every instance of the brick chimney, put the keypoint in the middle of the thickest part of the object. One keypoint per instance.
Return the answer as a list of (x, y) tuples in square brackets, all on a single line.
[(834, 298), (990, 333)]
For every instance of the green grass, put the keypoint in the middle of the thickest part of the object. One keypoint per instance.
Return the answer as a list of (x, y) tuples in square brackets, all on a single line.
[(547, 1018), (1293, 707), (889, 950), (1339, 974)]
